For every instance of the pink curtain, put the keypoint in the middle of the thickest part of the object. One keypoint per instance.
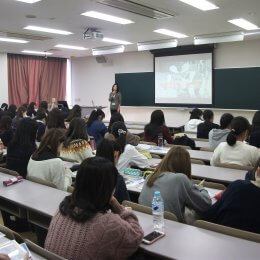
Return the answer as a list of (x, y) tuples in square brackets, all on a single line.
[(33, 79)]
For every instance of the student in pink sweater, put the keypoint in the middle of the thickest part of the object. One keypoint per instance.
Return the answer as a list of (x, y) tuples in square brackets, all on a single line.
[(85, 228)]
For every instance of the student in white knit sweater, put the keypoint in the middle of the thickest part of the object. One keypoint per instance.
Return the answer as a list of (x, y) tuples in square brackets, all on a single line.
[(76, 146), (235, 150), (45, 163)]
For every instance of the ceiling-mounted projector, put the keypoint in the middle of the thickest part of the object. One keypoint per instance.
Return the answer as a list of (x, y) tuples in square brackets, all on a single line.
[(92, 33)]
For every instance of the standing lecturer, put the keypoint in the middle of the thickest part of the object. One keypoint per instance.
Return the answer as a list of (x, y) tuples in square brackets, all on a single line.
[(115, 99)]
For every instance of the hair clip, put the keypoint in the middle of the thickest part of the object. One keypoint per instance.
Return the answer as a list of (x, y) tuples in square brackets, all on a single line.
[(121, 131)]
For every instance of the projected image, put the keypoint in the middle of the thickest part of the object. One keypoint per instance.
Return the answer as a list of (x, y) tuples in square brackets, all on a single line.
[(184, 79)]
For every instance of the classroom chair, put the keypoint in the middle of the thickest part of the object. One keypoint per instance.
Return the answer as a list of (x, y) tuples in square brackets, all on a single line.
[(147, 210), (228, 230), (212, 185), (234, 166), (10, 234), (196, 161), (207, 149), (10, 172), (41, 181)]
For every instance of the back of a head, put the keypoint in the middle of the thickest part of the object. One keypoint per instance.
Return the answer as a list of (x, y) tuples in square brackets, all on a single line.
[(116, 117), (12, 108), (4, 106), (208, 115), (95, 114), (96, 175), (31, 107), (119, 131), (41, 114), (5, 123), (20, 112), (225, 120), (256, 119), (157, 118), (74, 113), (196, 113), (238, 126), (44, 105), (55, 119)]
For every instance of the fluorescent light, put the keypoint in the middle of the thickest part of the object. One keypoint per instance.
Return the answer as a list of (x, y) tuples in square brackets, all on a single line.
[(145, 46), (107, 17), (48, 30), (106, 39), (64, 46), (243, 23), (29, 1), (5, 39), (170, 33), (37, 52), (207, 39), (108, 50), (201, 4)]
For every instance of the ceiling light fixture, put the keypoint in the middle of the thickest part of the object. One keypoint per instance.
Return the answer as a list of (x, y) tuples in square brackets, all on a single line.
[(153, 45), (48, 30), (108, 50), (37, 52), (243, 23), (106, 39), (11, 40), (29, 1), (107, 17), (200, 4), (170, 33), (64, 46)]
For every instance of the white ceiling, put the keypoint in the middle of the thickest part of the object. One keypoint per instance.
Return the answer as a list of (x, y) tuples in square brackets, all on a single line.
[(65, 15)]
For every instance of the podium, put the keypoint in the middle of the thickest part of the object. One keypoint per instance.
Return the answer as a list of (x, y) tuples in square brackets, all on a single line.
[(86, 110)]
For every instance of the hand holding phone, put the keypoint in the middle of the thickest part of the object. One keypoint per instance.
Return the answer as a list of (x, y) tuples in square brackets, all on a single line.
[(152, 237)]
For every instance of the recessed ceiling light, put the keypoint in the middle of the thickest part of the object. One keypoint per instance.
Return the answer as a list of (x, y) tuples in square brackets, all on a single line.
[(106, 39), (29, 1), (201, 4), (243, 23), (64, 46), (4, 39), (107, 17), (48, 30), (170, 33), (37, 52)]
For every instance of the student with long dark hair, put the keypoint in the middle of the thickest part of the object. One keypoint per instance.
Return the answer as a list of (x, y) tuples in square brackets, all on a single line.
[(31, 110), (41, 117), (130, 138), (6, 131), (195, 120), (74, 113), (83, 228), (55, 119), (205, 127), (45, 162), (11, 111), (44, 105), (115, 99), (235, 151), (76, 145), (255, 131), (22, 146), (21, 113), (129, 155), (111, 150), (217, 136), (157, 127), (95, 125)]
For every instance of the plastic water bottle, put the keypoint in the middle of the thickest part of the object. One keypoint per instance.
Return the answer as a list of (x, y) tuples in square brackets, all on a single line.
[(160, 140), (158, 212)]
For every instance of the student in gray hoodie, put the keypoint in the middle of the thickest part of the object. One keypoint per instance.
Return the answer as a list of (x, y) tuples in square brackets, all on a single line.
[(217, 136)]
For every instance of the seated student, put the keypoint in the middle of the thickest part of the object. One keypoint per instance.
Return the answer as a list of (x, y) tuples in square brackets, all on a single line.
[(45, 164), (205, 127), (130, 138), (235, 151), (95, 126), (74, 113), (55, 119), (111, 150), (21, 113), (255, 130), (217, 136), (41, 117), (173, 179), (238, 207), (157, 127), (129, 156), (76, 146), (44, 105), (84, 228), (195, 120), (31, 110), (22, 146), (6, 131), (11, 111)]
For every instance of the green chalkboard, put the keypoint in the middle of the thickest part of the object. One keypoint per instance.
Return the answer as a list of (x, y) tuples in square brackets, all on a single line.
[(237, 88)]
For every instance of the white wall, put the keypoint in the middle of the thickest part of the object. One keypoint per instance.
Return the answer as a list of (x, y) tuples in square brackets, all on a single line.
[(3, 78), (93, 81)]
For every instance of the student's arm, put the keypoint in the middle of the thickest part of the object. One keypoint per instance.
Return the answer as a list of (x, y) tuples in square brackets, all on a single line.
[(216, 155), (121, 192), (166, 135), (137, 159), (103, 129)]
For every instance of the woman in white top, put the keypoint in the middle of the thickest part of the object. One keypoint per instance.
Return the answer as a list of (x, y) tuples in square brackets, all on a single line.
[(195, 120), (45, 164), (235, 151), (129, 155)]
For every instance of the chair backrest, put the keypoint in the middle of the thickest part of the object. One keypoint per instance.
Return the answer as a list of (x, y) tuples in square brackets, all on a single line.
[(41, 181), (196, 161), (150, 143), (70, 189), (148, 210), (207, 149), (234, 166), (10, 234), (228, 230), (212, 185), (10, 172), (42, 252), (177, 145)]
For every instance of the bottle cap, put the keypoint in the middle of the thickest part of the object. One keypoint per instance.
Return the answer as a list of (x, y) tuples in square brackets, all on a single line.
[(157, 193)]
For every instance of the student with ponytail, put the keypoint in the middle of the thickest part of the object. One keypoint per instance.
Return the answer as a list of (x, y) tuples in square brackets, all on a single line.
[(235, 150)]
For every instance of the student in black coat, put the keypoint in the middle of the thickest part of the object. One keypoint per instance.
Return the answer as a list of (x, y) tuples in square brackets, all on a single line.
[(6, 131), (112, 150), (22, 146), (205, 127), (255, 130), (40, 118)]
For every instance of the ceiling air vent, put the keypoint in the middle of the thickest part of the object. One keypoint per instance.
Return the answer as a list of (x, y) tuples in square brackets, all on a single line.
[(139, 8), (25, 36)]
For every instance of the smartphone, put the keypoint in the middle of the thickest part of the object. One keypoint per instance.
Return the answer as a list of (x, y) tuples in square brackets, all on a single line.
[(152, 237)]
